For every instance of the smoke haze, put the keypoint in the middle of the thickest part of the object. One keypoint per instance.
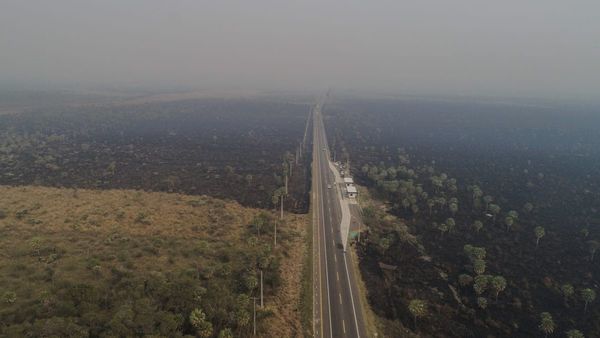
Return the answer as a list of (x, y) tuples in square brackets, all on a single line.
[(463, 47)]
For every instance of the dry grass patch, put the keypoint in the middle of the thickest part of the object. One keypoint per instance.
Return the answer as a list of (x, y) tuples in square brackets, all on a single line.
[(130, 263)]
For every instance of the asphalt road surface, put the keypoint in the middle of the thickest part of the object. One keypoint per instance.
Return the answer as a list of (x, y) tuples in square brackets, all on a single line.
[(337, 308)]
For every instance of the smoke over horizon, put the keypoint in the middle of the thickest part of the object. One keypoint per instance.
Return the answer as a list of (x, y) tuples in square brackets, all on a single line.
[(465, 47)]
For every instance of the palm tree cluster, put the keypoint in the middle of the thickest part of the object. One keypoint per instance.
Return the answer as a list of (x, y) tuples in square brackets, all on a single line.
[(477, 257), (587, 295), (494, 284), (451, 210)]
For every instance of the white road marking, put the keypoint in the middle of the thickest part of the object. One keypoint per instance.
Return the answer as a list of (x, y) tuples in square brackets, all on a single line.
[(340, 298), (325, 251), (351, 298), (344, 325)]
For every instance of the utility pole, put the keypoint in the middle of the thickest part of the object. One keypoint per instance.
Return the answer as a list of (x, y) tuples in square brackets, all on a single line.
[(281, 206), (261, 289), (348, 165), (254, 317), (275, 236), (306, 128), (286, 184)]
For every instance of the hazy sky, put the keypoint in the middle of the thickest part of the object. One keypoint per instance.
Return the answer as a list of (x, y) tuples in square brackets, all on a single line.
[(464, 47)]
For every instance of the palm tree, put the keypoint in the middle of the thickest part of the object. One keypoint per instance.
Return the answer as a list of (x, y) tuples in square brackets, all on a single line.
[(384, 244), (539, 233), (441, 201), (481, 284), (430, 204), (259, 222), (498, 283), (112, 167), (568, 291), (477, 193), (487, 199), (437, 182), (588, 296), (443, 228), (405, 203), (575, 334), (415, 209), (482, 302), (241, 317), (198, 320), (479, 252), (226, 333), (513, 214), (509, 221), (412, 198), (477, 225), (451, 224), (418, 308), (9, 297), (546, 323), (276, 196), (452, 185), (479, 266), (495, 210), (36, 245), (585, 232), (593, 246), (250, 281), (453, 208), (528, 207)]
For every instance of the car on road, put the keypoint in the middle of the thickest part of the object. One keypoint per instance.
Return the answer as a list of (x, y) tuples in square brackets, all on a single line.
[(329, 186)]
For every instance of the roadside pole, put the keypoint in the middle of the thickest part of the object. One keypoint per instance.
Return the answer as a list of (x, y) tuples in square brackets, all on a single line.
[(281, 217), (254, 318), (261, 289)]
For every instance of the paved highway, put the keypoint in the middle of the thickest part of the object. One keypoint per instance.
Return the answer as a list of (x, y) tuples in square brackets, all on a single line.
[(338, 312)]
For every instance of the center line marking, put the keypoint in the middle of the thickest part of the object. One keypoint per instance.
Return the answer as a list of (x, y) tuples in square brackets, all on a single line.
[(340, 298)]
